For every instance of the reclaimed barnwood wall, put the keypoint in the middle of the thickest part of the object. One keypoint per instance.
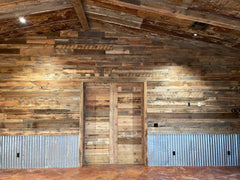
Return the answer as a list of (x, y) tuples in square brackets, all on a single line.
[(40, 80)]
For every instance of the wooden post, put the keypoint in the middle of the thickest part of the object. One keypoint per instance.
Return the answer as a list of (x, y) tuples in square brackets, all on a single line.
[(81, 126), (145, 152), (113, 124), (111, 131)]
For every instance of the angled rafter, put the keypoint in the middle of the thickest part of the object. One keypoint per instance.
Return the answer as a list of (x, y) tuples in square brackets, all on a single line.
[(77, 4), (181, 13)]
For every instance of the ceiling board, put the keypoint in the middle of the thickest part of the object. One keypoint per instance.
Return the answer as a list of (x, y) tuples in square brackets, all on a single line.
[(24, 8), (181, 13), (229, 8), (154, 22), (48, 23), (159, 18)]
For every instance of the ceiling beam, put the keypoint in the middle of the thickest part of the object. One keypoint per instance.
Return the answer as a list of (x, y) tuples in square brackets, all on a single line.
[(177, 12), (77, 4), (157, 32)]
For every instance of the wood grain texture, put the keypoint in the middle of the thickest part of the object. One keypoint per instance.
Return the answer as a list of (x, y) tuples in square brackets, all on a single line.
[(40, 84), (13, 9), (110, 129), (163, 9), (190, 14), (81, 126), (129, 122), (217, 23), (159, 18), (44, 23), (115, 124), (77, 4), (145, 125), (97, 123)]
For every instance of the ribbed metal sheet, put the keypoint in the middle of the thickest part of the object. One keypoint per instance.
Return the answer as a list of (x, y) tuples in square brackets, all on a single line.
[(39, 151), (194, 150)]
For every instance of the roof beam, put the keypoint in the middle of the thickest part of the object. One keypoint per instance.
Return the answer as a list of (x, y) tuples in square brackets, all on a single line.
[(177, 12), (77, 4)]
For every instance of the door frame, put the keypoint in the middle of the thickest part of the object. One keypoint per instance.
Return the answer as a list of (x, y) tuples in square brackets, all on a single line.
[(112, 106)]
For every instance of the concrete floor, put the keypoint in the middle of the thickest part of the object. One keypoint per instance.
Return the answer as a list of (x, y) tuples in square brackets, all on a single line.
[(124, 172)]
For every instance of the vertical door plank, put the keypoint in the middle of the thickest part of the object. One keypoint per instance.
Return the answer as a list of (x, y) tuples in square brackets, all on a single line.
[(111, 130), (81, 125), (144, 120), (115, 125)]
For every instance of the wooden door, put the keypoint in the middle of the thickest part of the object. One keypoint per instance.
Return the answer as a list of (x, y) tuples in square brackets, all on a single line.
[(128, 117), (96, 120), (113, 123)]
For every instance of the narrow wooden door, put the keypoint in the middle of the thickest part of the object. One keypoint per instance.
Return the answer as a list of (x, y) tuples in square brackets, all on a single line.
[(113, 123), (96, 120), (129, 120)]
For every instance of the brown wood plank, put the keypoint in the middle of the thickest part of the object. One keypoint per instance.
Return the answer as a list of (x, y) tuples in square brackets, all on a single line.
[(180, 13), (145, 125), (130, 140), (13, 9), (111, 132), (81, 126), (9, 51), (77, 4), (38, 131), (44, 23), (115, 124)]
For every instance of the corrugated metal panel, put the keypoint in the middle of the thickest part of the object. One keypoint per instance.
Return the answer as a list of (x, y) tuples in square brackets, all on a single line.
[(34, 151), (11, 145), (66, 151), (194, 150), (39, 151)]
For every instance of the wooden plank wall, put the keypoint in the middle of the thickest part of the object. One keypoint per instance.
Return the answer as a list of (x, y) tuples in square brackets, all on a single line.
[(40, 80)]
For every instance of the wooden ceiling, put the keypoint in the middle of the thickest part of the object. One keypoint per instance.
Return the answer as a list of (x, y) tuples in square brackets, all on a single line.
[(215, 21)]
